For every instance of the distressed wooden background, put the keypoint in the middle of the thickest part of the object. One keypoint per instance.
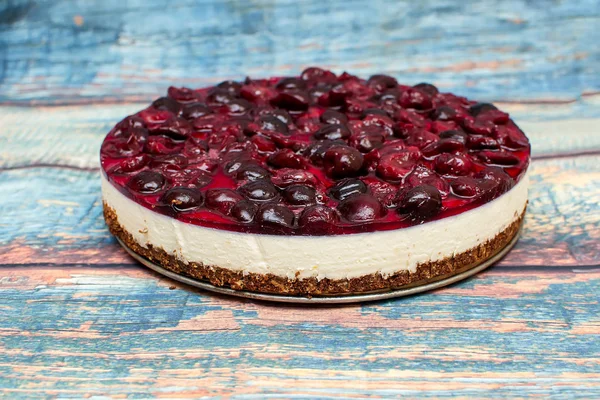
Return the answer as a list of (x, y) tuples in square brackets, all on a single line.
[(78, 318)]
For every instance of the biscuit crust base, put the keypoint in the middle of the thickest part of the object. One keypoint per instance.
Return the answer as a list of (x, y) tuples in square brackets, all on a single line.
[(217, 276)]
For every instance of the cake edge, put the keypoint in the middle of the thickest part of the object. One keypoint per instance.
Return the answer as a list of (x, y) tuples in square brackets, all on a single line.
[(273, 284)]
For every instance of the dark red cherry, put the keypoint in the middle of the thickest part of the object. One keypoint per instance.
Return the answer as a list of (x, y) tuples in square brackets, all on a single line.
[(314, 74), (292, 101), (317, 149), (493, 182), (455, 135), (260, 190), (318, 219), (281, 115), (464, 186), (221, 200), (131, 164), (420, 203), (231, 87), (275, 217), (347, 188), (172, 159), (427, 88), (479, 108), (286, 177), (443, 146), (341, 161), (482, 143), (182, 199), (174, 128), (123, 147), (396, 165), (453, 164), (502, 158), (290, 84), (333, 117), (382, 82), (251, 172), (332, 132), (182, 95), (415, 98), (147, 182), (286, 158), (367, 140), (195, 110), (168, 104), (361, 208), (272, 123), (300, 195), (444, 113), (244, 211), (237, 107)]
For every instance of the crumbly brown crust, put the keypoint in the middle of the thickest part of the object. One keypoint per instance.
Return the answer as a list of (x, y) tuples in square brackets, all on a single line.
[(269, 283)]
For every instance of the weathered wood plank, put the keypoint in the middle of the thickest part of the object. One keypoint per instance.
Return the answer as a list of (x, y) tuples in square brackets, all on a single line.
[(482, 338), (56, 51), (54, 215)]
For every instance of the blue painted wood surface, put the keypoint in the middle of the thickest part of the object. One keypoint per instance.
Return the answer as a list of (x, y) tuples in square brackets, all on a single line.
[(78, 318)]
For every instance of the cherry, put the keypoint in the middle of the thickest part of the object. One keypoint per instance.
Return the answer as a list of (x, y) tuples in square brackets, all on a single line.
[(292, 101), (167, 104), (347, 188), (147, 182), (286, 177), (318, 219), (443, 146), (281, 115), (382, 82), (493, 182), (286, 158), (272, 123), (275, 217), (219, 96), (368, 140), (332, 132), (222, 200), (420, 203), (175, 128), (333, 117), (415, 98), (501, 158), (195, 110), (244, 211), (182, 95), (251, 172), (182, 199), (290, 84), (453, 164), (316, 150), (421, 175), (300, 195), (231, 87), (131, 164), (123, 147), (479, 108), (464, 186), (341, 161), (396, 165), (361, 208), (455, 135), (482, 143), (260, 190), (427, 88), (315, 74)]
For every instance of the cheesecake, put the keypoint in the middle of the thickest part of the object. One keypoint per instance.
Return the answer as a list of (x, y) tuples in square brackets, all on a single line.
[(318, 184)]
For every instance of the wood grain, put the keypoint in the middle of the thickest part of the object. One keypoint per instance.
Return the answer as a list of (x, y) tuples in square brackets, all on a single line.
[(80, 319)]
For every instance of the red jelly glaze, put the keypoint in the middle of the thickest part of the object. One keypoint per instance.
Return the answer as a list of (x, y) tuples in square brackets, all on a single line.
[(260, 148)]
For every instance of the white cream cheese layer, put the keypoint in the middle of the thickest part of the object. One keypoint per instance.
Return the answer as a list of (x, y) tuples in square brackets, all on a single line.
[(334, 257)]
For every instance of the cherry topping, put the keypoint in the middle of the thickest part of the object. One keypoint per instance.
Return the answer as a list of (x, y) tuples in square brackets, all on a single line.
[(300, 195), (341, 161), (361, 208), (259, 191), (347, 188), (316, 153), (420, 202), (182, 199), (147, 182)]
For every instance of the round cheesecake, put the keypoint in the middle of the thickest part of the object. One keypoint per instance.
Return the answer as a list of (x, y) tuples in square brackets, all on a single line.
[(317, 184)]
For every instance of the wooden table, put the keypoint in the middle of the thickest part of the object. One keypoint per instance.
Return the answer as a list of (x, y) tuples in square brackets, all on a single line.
[(79, 318)]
